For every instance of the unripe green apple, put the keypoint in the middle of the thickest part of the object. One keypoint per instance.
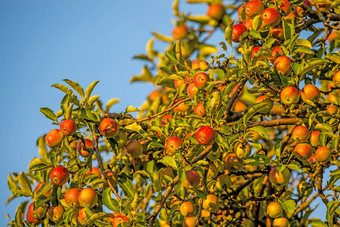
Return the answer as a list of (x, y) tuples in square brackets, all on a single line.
[(205, 135), (238, 30), (109, 127), (68, 127), (323, 154), (172, 145), (300, 133), (310, 92), (187, 208), (290, 95), (59, 175), (274, 210), (271, 17), (303, 151), (134, 148), (88, 196), (253, 8), (282, 65), (54, 138), (242, 150)]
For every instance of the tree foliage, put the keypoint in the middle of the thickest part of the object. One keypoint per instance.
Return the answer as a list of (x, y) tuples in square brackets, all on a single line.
[(243, 132)]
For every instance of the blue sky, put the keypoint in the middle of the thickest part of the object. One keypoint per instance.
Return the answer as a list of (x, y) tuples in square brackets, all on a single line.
[(43, 42)]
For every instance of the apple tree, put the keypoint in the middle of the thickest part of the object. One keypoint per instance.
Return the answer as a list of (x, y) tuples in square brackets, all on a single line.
[(240, 132)]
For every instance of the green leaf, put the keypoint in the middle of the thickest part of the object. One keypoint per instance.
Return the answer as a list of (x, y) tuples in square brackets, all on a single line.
[(312, 65), (182, 175), (75, 86), (44, 188), (289, 206), (255, 34), (110, 203), (134, 127), (90, 115), (110, 103), (145, 76), (162, 37), (127, 187), (98, 216), (19, 213), (228, 34), (317, 223), (334, 57), (63, 88), (287, 31), (90, 88), (13, 187), (37, 164), (332, 207), (260, 130), (200, 193), (277, 149), (169, 161), (257, 21), (303, 50), (49, 113), (93, 99), (142, 57), (304, 43), (252, 110), (257, 160), (149, 49), (25, 185), (199, 18)]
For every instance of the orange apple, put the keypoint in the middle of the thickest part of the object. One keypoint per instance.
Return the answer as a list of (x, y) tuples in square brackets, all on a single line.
[(109, 127), (71, 197), (55, 214), (303, 151), (300, 133), (200, 110), (187, 208), (80, 147), (54, 138), (290, 95), (68, 127), (279, 179), (88, 196), (172, 145), (310, 92), (215, 11), (274, 210), (179, 32), (323, 154), (282, 65)]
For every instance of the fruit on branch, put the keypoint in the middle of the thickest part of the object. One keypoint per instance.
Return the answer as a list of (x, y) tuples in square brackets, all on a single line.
[(189, 222), (303, 151), (333, 36), (179, 32), (94, 170), (231, 162), (196, 64), (248, 24), (253, 8), (285, 6), (200, 110), (336, 78), (301, 12), (192, 90), (276, 52), (280, 222), (71, 197), (242, 150), (323, 6), (239, 106), (134, 148), (312, 159), (205, 135), (271, 17), (274, 210), (37, 188), (323, 154), (254, 51), (282, 65), (54, 138), (59, 175), (268, 101), (55, 214), (109, 127), (279, 178), (210, 203), (88, 197), (182, 107), (310, 92), (187, 208), (290, 95), (29, 217), (68, 127), (173, 144), (314, 138), (215, 11), (300, 133), (178, 83), (276, 32), (80, 147), (82, 218), (331, 109), (37, 212), (152, 96), (204, 65), (166, 119), (201, 79), (238, 30), (193, 179), (119, 220), (113, 177)]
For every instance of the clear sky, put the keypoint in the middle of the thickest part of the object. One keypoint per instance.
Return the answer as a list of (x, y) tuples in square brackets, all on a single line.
[(44, 41)]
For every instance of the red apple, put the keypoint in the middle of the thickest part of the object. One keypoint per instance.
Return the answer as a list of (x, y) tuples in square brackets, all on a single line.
[(68, 127), (54, 138), (82, 217), (200, 110), (192, 90), (248, 24), (253, 8), (238, 30), (172, 145), (179, 32), (310, 92), (193, 179), (303, 151), (37, 212), (166, 119), (205, 135), (271, 17), (59, 175), (201, 79), (119, 220), (30, 219), (109, 127), (282, 65), (290, 95), (88, 196)]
